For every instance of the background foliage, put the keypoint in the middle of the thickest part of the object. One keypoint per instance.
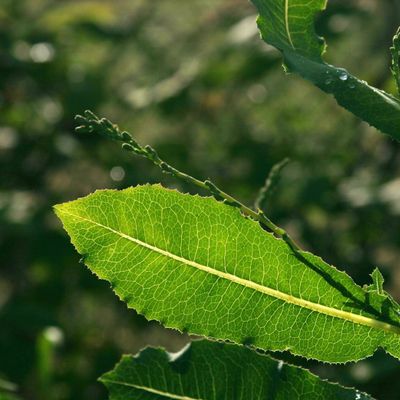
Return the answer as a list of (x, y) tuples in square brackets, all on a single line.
[(195, 81)]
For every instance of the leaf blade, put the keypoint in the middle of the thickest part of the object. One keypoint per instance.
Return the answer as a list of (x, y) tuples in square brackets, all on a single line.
[(223, 276), (208, 370)]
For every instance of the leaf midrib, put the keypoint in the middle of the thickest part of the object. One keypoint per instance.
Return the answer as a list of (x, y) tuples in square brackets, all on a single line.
[(150, 390), (316, 307), (287, 23)]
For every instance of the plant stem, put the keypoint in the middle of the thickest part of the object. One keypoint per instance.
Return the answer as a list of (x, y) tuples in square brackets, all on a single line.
[(92, 124)]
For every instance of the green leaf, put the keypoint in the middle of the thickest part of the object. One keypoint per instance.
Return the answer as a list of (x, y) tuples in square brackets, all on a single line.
[(198, 265), (289, 26), (378, 281), (207, 370), (377, 288), (270, 184)]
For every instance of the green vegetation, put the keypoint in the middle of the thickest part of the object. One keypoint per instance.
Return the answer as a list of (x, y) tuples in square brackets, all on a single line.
[(193, 81), (210, 370), (198, 266)]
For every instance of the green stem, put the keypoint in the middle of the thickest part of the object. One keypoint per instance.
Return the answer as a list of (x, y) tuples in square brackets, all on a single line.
[(92, 124)]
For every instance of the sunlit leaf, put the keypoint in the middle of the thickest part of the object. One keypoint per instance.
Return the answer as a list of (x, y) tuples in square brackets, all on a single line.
[(198, 265)]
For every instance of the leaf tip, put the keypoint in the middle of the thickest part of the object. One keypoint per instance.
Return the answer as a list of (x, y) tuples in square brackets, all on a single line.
[(59, 209)]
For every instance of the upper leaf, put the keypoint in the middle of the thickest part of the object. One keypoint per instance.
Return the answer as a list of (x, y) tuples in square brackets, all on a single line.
[(289, 26), (197, 265), (215, 371)]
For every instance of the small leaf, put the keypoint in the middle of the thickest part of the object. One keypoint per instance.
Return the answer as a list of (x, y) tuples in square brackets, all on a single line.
[(378, 281), (197, 265), (270, 184), (377, 287), (289, 26), (207, 370)]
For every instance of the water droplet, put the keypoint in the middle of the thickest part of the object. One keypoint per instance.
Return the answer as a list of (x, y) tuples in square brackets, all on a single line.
[(352, 86), (328, 81), (358, 396), (343, 76)]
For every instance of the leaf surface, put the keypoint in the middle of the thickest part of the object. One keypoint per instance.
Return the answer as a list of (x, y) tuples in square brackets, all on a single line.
[(289, 26), (207, 370), (198, 265)]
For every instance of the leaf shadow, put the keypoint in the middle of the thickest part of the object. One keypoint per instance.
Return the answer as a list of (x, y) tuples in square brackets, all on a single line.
[(362, 305)]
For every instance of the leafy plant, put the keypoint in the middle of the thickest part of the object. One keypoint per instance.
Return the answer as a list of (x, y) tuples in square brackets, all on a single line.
[(289, 26), (212, 266)]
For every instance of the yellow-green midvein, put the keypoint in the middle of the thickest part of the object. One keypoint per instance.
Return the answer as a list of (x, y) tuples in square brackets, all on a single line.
[(287, 23), (320, 308), (150, 390)]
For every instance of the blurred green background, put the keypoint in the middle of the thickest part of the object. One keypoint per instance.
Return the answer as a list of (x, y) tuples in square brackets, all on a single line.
[(193, 80)]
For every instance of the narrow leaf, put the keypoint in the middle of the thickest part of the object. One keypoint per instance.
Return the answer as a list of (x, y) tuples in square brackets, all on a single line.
[(197, 265), (207, 370), (378, 281), (289, 26), (270, 184)]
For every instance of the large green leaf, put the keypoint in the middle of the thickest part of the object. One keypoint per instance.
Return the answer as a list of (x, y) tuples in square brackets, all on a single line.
[(289, 26), (198, 265), (215, 371)]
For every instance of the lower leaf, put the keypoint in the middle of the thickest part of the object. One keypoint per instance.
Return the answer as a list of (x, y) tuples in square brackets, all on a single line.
[(207, 370)]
